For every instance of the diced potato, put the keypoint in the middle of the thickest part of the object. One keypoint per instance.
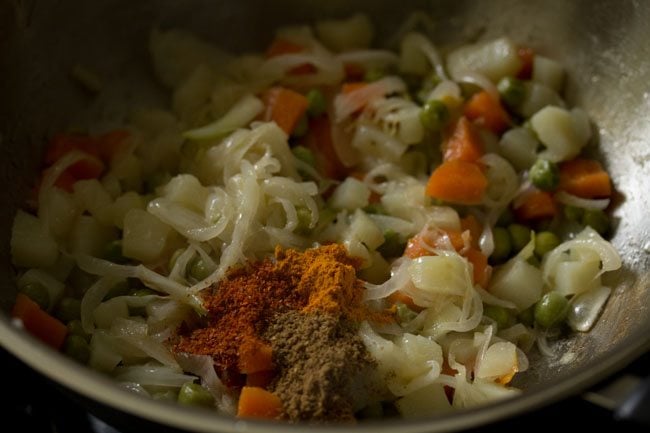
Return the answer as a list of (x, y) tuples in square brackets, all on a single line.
[(495, 59), (32, 246), (424, 402), (91, 196), (108, 311), (574, 277), (519, 147), (500, 360), (89, 236), (537, 96), (351, 194), (128, 170), (518, 282), (103, 354), (352, 33), (365, 230), (440, 274), (61, 210), (548, 72), (186, 189), (562, 133), (398, 201), (146, 238), (123, 204), (112, 185)]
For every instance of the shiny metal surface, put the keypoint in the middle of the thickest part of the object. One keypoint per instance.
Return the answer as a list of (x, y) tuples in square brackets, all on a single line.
[(603, 44)]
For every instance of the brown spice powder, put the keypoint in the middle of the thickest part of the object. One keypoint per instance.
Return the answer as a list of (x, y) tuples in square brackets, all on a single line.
[(324, 369)]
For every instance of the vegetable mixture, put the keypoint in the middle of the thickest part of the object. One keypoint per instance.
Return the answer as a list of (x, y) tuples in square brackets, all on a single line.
[(324, 231)]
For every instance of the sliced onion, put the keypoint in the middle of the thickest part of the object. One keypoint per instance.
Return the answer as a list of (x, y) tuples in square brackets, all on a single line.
[(489, 299), (429, 51), (572, 200), (399, 279), (346, 104), (149, 375), (239, 116), (329, 70), (92, 298), (481, 81), (446, 89), (203, 367), (586, 307)]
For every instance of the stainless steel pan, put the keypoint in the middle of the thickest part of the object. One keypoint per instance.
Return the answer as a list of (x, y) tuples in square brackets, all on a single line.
[(604, 45)]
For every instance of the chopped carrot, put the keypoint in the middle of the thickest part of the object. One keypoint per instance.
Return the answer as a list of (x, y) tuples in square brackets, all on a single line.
[(281, 47), (65, 181), (255, 402), (354, 72), (537, 205), (481, 271), (457, 182), (261, 379), (352, 86), (585, 178), (38, 322), (474, 227), (526, 56), (285, 107), (397, 297), (483, 109), (255, 356), (463, 144), (112, 144), (319, 141), (62, 144), (417, 245)]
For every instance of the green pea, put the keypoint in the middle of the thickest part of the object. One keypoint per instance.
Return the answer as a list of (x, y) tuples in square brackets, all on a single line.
[(38, 293), (527, 317), (404, 313), (113, 252), (303, 154), (316, 103), (545, 242), (597, 220), (198, 269), (520, 236), (499, 314), (68, 309), (76, 347), (193, 394), (512, 91), (375, 208), (304, 220), (502, 244), (76, 328), (573, 213), (506, 218), (434, 115), (545, 175), (119, 289), (393, 245), (374, 74), (551, 310), (301, 128)]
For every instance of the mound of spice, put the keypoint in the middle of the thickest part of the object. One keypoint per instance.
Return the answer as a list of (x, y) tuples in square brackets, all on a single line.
[(288, 324)]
